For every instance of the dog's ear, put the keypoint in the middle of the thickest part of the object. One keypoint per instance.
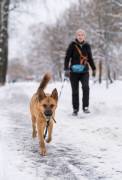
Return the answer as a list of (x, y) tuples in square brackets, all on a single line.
[(55, 94), (41, 95)]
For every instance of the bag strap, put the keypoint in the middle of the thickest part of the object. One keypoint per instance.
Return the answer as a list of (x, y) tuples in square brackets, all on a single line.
[(83, 59)]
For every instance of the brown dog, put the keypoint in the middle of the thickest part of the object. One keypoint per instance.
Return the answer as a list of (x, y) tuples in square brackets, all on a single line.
[(42, 108)]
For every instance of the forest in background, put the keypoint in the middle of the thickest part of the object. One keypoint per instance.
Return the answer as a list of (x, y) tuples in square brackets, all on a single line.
[(47, 43)]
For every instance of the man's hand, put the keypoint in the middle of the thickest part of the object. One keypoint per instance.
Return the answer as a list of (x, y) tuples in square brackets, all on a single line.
[(94, 73), (67, 73)]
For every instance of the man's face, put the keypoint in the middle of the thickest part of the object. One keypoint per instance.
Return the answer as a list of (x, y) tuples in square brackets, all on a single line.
[(80, 36)]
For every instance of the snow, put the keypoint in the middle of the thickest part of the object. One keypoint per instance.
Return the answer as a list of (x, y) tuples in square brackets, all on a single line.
[(87, 147)]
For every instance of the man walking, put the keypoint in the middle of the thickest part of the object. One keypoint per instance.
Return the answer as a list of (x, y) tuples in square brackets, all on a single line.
[(76, 65)]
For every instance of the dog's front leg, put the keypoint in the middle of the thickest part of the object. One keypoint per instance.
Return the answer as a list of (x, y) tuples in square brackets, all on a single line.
[(50, 128), (34, 132), (41, 127)]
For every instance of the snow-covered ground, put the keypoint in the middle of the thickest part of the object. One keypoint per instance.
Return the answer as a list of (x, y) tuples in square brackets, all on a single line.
[(87, 147)]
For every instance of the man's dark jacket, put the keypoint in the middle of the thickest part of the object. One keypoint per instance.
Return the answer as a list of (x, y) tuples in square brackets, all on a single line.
[(73, 56)]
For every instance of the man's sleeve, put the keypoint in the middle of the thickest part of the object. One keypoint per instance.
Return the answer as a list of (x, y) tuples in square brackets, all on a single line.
[(90, 57), (68, 56)]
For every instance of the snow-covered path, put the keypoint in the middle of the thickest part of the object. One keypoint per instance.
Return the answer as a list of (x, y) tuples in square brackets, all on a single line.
[(87, 147)]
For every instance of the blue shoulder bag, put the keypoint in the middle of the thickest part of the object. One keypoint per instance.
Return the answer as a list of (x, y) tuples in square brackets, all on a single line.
[(78, 68)]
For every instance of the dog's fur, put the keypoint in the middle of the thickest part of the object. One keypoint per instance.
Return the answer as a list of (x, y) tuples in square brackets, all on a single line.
[(40, 105)]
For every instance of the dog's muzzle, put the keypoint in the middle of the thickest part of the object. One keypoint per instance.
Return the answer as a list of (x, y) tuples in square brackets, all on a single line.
[(48, 113)]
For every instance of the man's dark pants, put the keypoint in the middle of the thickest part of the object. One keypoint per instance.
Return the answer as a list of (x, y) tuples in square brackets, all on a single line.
[(75, 78)]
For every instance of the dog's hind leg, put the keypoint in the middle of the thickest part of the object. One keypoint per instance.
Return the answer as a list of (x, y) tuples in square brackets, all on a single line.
[(34, 132), (50, 128)]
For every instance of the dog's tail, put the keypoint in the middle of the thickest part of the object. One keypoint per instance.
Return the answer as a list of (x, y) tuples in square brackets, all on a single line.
[(44, 82)]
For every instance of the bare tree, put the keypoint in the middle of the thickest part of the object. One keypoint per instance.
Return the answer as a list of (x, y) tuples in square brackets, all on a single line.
[(4, 11), (105, 17), (60, 34), (100, 23)]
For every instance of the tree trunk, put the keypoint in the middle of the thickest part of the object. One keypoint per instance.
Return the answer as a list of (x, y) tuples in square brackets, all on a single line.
[(109, 75), (4, 11), (100, 72), (114, 75)]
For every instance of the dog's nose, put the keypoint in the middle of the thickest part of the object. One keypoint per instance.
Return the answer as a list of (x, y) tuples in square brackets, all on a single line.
[(48, 112)]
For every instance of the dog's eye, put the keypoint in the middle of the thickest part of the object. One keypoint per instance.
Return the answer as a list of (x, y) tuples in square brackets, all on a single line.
[(44, 105), (52, 105)]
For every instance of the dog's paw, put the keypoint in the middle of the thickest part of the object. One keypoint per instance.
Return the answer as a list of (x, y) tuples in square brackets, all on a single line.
[(48, 140), (34, 134), (43, 152)]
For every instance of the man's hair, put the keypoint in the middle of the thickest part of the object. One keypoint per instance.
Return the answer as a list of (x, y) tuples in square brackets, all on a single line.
[(80, 30)]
